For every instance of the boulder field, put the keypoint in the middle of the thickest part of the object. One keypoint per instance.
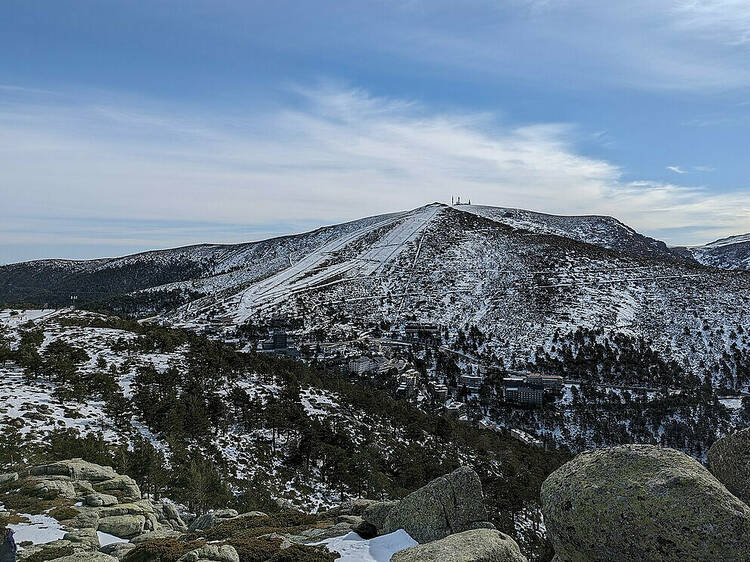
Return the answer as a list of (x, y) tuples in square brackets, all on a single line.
[(447, 517), (628, 503)]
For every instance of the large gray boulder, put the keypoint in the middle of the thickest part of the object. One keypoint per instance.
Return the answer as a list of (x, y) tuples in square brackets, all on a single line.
[(376, 513), (640, 502), (95, 499), (729, 461), (211, 553), (479, 545), (122, 526), (85, 539), (120, 485), (118, 550), (75, 469), (87, 557), (211, 519), (8, 477), (50, 488), (447, 505), (373, 519)]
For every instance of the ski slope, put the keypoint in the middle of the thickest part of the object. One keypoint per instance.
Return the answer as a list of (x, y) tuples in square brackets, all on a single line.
[(324, 266)]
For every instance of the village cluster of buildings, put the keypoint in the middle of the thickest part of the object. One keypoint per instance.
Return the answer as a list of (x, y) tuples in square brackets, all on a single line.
[(529, 389), (521, 389)]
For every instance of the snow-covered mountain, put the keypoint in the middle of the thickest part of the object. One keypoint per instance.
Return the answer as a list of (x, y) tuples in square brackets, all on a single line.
[(518, 276), (727, 253), (607, 232)]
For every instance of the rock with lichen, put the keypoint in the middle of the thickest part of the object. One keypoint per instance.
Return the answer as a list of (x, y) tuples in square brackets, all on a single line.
[(479, 545), (729, 461), (449, 504), (641, 502)]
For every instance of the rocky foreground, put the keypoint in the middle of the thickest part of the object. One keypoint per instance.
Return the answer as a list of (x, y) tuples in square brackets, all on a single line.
[(629, 503), (92, 502)]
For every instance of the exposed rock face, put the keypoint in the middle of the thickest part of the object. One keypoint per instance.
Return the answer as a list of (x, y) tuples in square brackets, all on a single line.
[(8, 477), (479, 545), (120, 485), (96, 499), (119, 549), (211, 553), (75, 469), (640, 502), (211, 519), (86, 539), (729, 461), (123, 526), (447, 505), (376, 513), (87, 557)]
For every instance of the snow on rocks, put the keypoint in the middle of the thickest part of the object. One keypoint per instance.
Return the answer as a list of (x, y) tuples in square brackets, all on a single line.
[(39, 529), (354, 548), (79, 516)]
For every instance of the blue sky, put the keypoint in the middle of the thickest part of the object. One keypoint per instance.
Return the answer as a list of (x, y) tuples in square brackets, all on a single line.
[(127, 126)]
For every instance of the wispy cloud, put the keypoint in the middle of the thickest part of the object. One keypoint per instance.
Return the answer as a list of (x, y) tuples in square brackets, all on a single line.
[(335, 154), (674, 45), (724, 20), (676, 170)]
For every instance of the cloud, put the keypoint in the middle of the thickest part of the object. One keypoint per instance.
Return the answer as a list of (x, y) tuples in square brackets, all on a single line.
[(723, 20), (650, 45), (676, 169), (334, 154)]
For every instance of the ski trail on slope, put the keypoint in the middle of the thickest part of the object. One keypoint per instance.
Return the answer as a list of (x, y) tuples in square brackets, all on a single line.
[(311, 272)]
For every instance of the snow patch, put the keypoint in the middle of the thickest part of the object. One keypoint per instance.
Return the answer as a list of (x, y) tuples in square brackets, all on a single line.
[(354, 548)]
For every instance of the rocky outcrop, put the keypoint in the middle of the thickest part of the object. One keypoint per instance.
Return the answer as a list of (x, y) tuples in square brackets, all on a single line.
[(373, 519), (640, 502), (729, 461), (83, 539), (479, 545), (124, 487), (75, 469), (211, 519), (123, 526), (8, 477), (447, 505), (87, 557), (211, 553), (111, 503), (87, 498)]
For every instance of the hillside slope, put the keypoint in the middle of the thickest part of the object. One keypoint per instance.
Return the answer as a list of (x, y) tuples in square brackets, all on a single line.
[(456, 268), (727, 253), (509, 273), (598, 230)]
